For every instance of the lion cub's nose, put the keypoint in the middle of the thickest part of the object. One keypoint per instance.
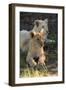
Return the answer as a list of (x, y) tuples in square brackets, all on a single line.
[(36, 59)]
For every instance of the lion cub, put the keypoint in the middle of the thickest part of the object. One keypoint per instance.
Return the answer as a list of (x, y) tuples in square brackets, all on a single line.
[(36, 54)]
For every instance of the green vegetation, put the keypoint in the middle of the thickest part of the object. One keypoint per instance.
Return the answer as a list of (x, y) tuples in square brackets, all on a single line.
[(29, 72)]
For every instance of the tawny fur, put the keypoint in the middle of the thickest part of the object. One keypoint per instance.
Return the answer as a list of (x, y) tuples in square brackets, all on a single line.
[(36, 50)]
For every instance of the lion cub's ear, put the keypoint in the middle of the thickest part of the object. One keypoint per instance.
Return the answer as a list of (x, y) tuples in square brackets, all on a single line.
[(32, 34), (46, 20)]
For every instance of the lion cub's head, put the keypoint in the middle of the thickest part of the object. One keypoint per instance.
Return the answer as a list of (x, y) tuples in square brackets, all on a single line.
[(38, 38), (40, 25)]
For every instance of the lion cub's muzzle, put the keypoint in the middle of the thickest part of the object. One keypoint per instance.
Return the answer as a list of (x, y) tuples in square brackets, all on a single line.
[(41, 43)]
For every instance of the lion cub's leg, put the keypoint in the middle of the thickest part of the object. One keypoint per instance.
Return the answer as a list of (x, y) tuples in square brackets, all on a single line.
[(30, 60)]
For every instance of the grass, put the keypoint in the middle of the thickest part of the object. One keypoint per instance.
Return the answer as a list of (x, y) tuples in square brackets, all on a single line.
[(29, 72)]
